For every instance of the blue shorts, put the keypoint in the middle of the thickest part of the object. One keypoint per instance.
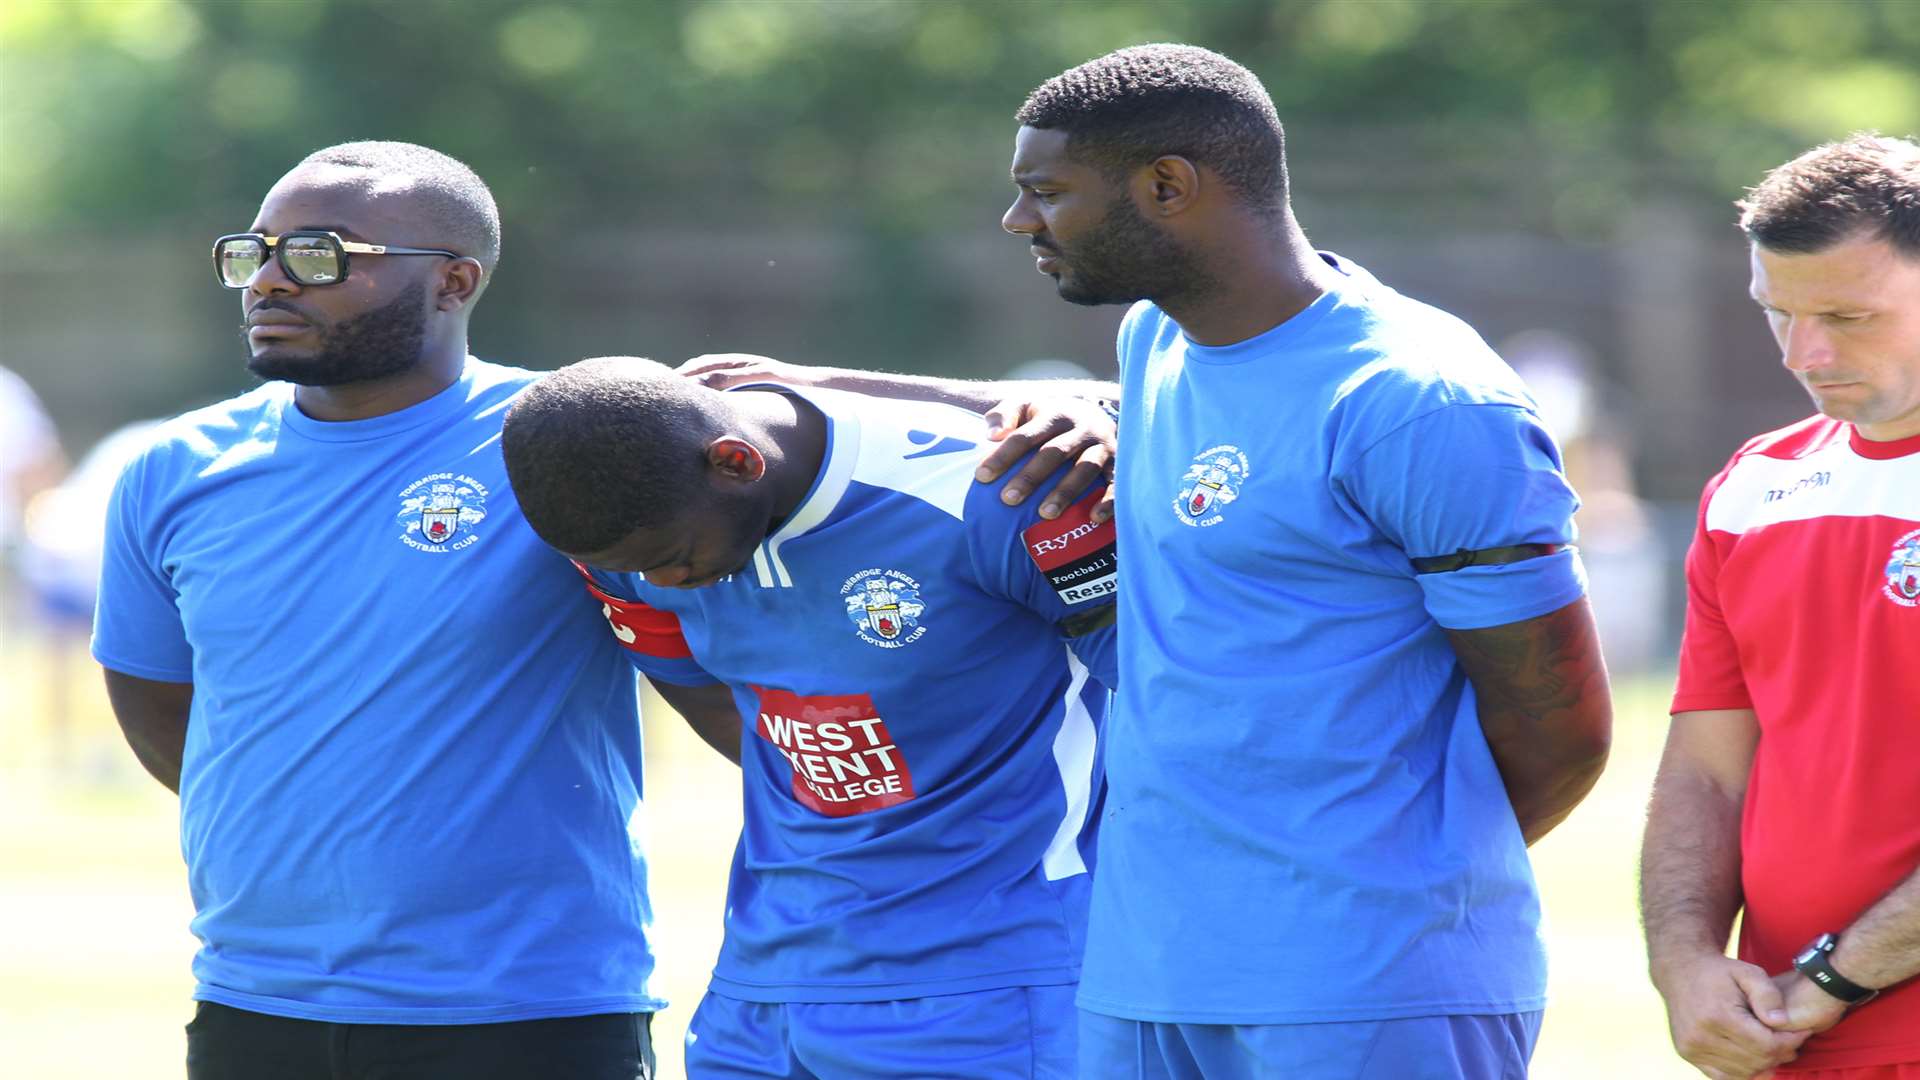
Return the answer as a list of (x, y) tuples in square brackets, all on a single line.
[(1419, 1048), (1021, 1033)]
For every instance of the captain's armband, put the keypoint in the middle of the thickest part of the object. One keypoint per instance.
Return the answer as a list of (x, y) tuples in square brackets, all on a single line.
[(1076, 555)]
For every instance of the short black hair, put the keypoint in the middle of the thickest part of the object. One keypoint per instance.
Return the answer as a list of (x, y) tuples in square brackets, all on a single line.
[(1127, 108), (1864, 185), (455, 201), (606, 446)]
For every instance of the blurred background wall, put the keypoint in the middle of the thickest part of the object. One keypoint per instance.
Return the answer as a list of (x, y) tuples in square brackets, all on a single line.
[(822, 181)]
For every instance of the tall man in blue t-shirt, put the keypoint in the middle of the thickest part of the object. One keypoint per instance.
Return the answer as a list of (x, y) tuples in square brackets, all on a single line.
[(408, 755), (1358, 668), (922, 669), (1358, 672)]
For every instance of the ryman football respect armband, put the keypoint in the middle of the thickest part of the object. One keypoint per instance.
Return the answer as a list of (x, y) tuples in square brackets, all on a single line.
[(1077, 557)]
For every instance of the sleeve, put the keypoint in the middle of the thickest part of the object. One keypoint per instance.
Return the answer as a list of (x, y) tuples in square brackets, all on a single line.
[(651, 637), (1710, 673), (1063, 570), (137, 627), (1469, 477)]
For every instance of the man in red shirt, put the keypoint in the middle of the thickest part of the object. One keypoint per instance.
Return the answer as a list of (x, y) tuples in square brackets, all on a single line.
[(1790, 789)]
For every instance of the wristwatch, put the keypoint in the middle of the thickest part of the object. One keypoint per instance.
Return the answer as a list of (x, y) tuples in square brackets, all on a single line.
[(1812, 962)]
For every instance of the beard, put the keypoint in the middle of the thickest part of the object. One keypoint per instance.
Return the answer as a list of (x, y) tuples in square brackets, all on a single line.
[(1124, 258), (376, 344)]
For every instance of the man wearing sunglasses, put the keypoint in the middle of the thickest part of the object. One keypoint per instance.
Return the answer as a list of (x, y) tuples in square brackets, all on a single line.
[(408, 755)]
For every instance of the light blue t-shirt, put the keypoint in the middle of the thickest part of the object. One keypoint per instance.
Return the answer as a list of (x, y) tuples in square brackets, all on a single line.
[(413, 755), (920, 753), (1304, 822)]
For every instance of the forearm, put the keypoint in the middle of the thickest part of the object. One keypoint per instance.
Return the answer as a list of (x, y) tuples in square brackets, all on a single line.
[(709, 711), (153, 719), (1545, 708), (1689, 867), (979, 396), (159, 753), (1882, 947)]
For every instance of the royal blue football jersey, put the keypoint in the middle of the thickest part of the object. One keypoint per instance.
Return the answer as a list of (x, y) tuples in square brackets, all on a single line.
[(920, 743)]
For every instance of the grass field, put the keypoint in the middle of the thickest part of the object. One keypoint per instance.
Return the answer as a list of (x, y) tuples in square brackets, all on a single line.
[(93, 903)]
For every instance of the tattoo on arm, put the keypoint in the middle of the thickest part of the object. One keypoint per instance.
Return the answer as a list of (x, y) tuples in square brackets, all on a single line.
[(1545, 707)]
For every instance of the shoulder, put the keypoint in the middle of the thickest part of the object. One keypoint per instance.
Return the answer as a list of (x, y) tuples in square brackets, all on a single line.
[(1143, 327), (492, 388), (1419, 357), (1779, 475), (1770, 454), (1796, 440), (210, 431), (921, 450)]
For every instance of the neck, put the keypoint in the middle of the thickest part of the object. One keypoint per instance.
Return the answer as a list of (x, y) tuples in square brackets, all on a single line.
[(1259, 278), (792, 435), (439, 368)]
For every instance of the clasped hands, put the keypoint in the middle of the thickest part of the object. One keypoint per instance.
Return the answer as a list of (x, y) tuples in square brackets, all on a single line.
[(1733, 1021)]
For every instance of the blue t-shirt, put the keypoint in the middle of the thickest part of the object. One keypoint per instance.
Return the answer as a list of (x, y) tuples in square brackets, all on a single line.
[(919, 754), (413, 756), (1304, 822)]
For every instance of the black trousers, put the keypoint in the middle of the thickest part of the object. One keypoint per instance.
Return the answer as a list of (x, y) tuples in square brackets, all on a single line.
[(234, 1044)]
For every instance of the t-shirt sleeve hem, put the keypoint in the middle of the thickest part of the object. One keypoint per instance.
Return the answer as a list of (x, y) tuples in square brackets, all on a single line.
[(155, 672), (1480, 597), (1700, 701)]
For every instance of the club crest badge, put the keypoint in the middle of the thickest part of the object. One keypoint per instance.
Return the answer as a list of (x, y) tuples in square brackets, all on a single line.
[(1903, 571), (438, 512), (885, 607), (1213, 481)]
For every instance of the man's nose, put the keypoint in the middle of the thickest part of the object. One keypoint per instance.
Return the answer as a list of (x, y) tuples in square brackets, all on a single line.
[(1020, 218), (271, 279), (1806, 346)]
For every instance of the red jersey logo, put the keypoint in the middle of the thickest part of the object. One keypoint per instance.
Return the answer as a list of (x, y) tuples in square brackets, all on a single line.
[(844, 760)]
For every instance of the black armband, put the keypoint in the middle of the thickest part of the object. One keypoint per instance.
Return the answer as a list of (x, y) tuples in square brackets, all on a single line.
[(1460, 560), (1086, 622)]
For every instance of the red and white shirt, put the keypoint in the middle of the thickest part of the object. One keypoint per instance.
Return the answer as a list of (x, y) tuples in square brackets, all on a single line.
[(1803, 590)]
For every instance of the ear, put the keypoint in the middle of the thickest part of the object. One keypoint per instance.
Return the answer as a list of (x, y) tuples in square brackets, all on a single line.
[(1170, 185), (459, 284), (736, 459)]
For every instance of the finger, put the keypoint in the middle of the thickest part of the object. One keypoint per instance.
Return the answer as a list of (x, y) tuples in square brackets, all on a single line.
[(719, 378), (713, 362), (1040, 467), (1080, 478), (1006, 416), (1013, 446), (1103, 510), (1763, 997), (1733, 1042)]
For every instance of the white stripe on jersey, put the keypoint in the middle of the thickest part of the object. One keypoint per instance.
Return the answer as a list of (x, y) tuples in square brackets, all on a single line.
[(891, 460), (1073, 753), (1832, 481), (881, 455)]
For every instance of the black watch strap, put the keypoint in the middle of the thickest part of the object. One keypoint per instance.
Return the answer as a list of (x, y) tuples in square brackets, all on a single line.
[(1813, 962)]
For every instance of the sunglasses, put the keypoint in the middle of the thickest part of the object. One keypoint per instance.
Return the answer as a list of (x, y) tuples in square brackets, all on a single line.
[(308, 257)]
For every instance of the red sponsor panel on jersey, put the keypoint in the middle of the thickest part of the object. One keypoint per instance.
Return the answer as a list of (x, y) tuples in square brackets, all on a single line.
[(639, 627), (844, 760), (1076, 555)]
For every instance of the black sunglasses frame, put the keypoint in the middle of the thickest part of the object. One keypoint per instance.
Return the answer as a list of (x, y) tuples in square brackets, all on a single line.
[(275, 247)]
